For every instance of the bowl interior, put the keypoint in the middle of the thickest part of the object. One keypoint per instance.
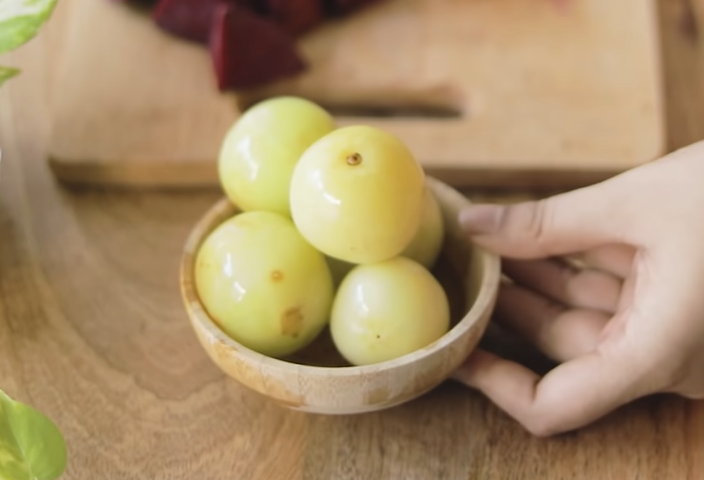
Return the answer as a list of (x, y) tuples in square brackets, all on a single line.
[(452, 277), (460, 269)]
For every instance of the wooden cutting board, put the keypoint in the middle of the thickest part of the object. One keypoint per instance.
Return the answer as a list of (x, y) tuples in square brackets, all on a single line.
[(485, 92)]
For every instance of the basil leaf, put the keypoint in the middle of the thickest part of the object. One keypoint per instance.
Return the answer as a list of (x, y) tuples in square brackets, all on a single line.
[(12, 464), (20, 21), (6, 73), (31, 446)]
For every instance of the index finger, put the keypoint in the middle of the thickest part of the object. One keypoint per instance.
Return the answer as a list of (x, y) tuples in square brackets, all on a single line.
[(570, 396)]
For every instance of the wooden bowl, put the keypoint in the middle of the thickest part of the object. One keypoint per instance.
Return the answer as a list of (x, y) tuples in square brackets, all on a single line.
[(317, 379)]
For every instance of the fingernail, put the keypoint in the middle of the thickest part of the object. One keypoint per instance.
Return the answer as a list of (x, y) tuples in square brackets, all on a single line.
[(477, 219)]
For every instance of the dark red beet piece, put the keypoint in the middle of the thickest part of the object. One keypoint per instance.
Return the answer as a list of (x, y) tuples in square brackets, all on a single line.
[(258, 6), (137, 3), (343, 7), (296, 16), (249, 50), (188, 19)]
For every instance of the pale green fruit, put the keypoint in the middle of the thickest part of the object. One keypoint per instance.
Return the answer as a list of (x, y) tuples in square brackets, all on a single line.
[(261, 150), (357, 193), (263, 284), (427, 243), (388, 309)]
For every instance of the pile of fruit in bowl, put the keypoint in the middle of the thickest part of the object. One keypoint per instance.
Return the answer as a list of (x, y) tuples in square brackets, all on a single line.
[(333, 276)]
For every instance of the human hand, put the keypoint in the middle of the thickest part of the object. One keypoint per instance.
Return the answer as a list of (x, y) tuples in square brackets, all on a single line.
[(628, 323)]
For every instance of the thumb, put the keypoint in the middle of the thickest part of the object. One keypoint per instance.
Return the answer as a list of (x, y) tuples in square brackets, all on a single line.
[(566, 223)]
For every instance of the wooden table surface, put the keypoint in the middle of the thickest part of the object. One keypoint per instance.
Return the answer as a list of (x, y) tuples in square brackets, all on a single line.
[(92, 332)]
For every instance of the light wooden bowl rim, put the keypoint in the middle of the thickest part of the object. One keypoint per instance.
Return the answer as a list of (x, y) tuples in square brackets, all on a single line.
[(491, 268)]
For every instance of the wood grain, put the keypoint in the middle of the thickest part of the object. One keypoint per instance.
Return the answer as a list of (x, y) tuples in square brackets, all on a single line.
[(93, 333), (546, 95), (682, 26)]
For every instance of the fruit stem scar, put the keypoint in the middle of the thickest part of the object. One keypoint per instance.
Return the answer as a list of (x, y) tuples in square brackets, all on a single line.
[(354, 159)]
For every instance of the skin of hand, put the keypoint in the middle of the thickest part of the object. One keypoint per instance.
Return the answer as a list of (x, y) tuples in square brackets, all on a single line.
[(607, 281)]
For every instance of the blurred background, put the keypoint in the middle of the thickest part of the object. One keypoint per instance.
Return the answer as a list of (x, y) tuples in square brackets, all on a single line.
[(506, 93)]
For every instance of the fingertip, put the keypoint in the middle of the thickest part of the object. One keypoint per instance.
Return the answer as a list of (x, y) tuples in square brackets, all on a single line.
[(510, 386), (471, 370)]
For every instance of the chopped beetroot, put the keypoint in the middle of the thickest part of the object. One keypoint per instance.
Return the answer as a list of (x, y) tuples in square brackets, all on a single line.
[(188, 19), (296, 16), (141, 6), (343, 7), (138, 3), (258, 6), (249, 50)]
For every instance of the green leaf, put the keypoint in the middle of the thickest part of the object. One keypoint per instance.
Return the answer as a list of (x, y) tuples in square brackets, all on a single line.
[(31, 446), (6, 73), (20, 21)]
